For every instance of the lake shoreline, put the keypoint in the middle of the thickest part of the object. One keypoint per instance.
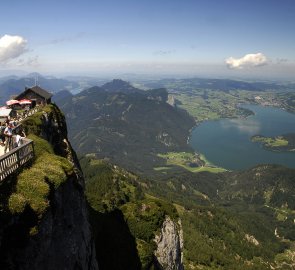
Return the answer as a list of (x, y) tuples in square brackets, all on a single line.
[(228, 132)]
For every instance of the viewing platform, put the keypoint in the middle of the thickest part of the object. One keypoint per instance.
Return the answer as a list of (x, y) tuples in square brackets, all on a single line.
[(11, 161), (17, 157)]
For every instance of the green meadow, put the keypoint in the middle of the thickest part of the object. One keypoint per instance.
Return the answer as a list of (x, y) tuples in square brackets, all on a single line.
[(189, 161)]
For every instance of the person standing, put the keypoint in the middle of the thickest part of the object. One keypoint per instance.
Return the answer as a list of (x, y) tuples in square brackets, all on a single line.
[(2, 136), (19, 138), (8, 137)]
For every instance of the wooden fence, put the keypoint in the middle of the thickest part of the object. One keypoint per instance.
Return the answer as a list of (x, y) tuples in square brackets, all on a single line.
[(16, 158)]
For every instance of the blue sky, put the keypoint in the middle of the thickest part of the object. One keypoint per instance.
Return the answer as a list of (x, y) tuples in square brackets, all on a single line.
[(246, 38)]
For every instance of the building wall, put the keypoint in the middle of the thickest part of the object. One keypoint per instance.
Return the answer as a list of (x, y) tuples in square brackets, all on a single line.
[(33, 96)]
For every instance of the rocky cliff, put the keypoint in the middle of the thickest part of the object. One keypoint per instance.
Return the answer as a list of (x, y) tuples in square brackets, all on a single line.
[(44, 219), (132, 230), (169, 246)]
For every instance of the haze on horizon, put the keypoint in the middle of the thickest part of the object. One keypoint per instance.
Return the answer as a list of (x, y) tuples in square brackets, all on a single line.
[(220, 38)]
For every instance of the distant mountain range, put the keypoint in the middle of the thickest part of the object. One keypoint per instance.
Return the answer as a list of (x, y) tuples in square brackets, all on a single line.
[(12, 85), (220, 84), (122, 123), (232, 220)]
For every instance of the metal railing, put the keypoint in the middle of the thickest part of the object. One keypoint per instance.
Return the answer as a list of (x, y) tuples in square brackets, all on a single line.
[(14, 159), (19, 156)]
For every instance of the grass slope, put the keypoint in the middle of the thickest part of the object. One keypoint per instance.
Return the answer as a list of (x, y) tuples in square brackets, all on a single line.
[(189, 161), (47, 171), (225, 225), (116, 201)]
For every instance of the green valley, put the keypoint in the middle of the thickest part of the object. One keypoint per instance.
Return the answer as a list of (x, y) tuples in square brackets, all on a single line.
[(209, 99), (189, 161), (231, 220), (142, 175), (147, 135)]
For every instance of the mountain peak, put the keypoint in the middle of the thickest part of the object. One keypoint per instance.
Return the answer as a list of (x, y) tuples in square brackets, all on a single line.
[(118, 85), (33, 75)]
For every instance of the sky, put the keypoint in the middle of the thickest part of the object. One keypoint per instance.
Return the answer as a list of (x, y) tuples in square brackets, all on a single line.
[(211, 38)]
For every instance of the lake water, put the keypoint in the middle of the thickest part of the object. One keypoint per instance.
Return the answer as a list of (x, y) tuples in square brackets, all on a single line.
[(227, 142)]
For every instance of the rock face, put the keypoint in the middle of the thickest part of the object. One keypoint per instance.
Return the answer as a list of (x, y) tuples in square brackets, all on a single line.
[(61, 238), (169, 246)]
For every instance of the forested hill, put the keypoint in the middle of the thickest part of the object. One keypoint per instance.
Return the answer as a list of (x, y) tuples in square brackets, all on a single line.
[(231, 220), (129, 126), (241, 221)]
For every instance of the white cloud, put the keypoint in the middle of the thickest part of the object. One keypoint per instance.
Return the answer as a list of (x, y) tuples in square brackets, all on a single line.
[(163, 53), (11, 47), (247, 61), (246, 126), (31, 61), (67, 38)]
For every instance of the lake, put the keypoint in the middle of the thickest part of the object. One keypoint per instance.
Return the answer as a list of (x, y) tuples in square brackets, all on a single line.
[(227, 142)]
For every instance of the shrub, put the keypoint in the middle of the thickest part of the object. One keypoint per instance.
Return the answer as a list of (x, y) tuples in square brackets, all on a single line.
[(145, 252), (33, 124), (17, 203), (32, 187), (41, 146)]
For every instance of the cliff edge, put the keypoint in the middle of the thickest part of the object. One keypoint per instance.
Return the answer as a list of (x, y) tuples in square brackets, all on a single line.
[(43, 217)]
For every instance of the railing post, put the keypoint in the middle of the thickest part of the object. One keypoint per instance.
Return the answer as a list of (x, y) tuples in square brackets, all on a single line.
[(18, 159), (33, 149)]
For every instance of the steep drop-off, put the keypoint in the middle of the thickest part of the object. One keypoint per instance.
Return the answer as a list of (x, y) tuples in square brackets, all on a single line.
[(44, 218), (132, 230)]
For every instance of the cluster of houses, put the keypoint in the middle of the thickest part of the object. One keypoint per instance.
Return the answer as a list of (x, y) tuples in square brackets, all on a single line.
[(28, 99)]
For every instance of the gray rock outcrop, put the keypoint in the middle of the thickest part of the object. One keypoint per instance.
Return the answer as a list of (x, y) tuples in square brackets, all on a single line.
[(169, 246)]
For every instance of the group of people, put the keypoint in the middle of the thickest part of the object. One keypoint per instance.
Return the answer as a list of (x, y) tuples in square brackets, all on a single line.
[(7, 137)]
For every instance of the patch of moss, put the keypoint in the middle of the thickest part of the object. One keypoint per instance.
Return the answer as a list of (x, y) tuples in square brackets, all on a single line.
[(33, 124), (52, 167), (48, 108), (33, 184), (33, 230), (17, 203), (41, 146), (32, 187)]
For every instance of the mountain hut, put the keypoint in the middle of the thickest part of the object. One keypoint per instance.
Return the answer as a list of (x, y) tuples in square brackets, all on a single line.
[(37, 94)]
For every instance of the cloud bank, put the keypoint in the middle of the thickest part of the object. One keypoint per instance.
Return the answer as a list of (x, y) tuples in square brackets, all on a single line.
[(247, 61), (31, 61), (11, 47)]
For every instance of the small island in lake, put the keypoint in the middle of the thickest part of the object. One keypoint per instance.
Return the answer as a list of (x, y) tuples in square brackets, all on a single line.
[(281, 143)]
